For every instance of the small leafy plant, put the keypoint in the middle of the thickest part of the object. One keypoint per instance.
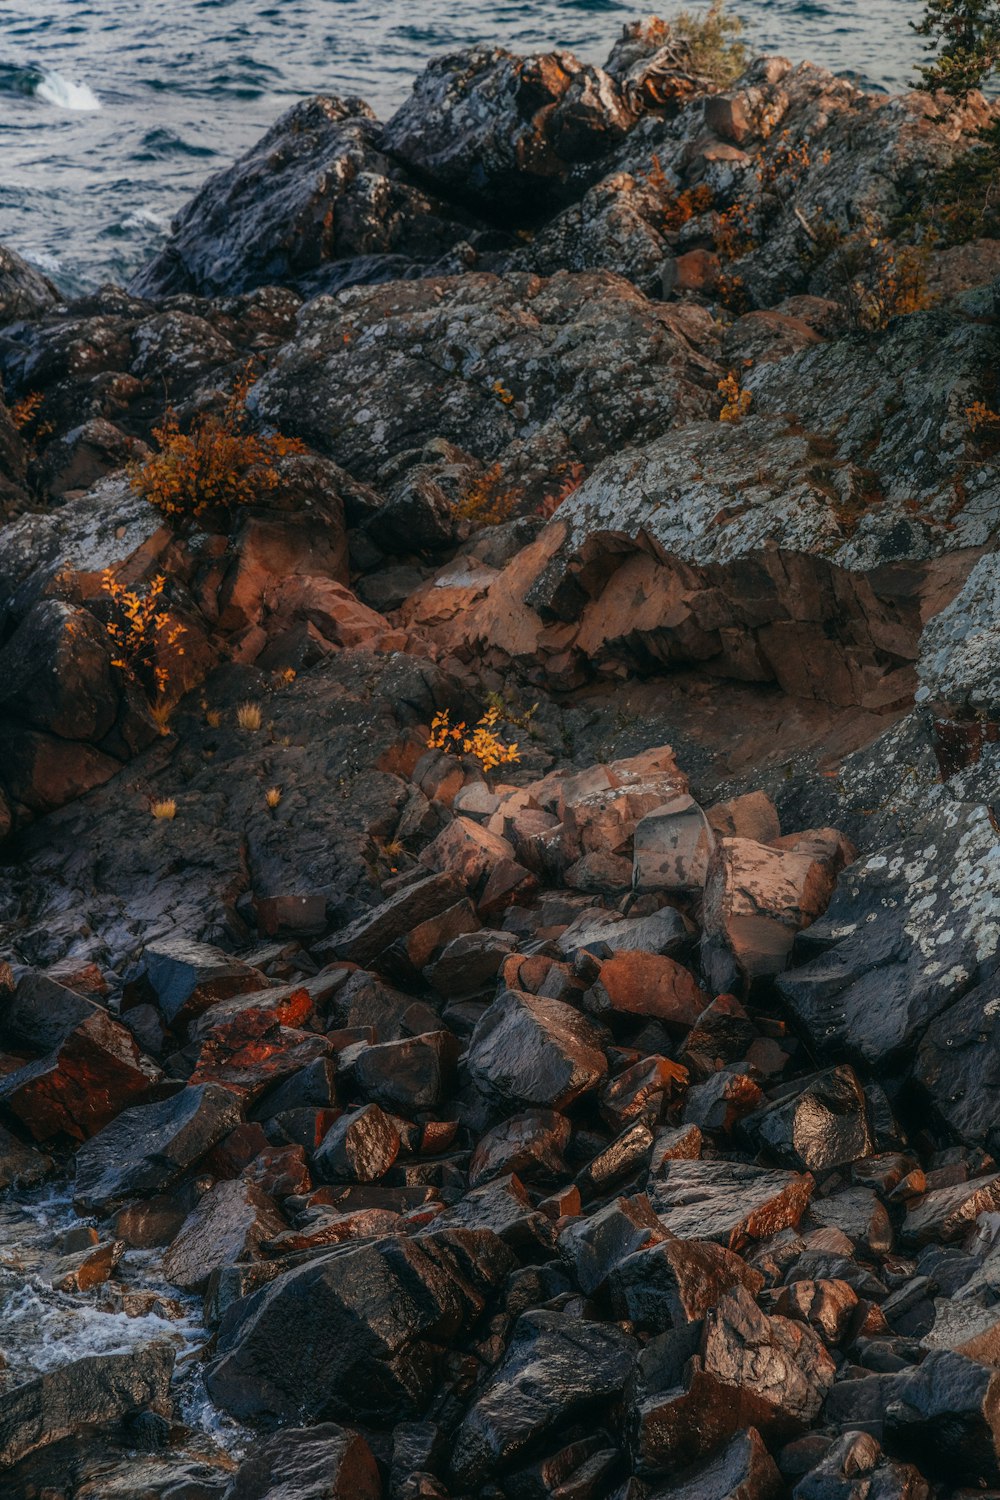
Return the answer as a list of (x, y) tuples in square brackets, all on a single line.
[(482, 742), (220, 463), (713, 41), (141, 632), (736, 402)]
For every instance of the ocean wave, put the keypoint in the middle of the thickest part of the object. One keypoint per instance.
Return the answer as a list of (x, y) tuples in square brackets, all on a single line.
[(49, 85), (56, 89)]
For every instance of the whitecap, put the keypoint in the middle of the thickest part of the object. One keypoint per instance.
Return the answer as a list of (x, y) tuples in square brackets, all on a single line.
[(64, 93)]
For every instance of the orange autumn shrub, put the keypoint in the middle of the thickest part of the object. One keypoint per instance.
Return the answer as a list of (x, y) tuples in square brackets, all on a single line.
[(220, 463)]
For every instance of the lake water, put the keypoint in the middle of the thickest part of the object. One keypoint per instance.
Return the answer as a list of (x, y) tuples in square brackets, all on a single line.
[(113, 111)]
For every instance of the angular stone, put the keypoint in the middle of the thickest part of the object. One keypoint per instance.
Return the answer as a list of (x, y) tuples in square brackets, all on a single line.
[(228, 1224), (249, 1054), (92, 1075), (858, 1213), (676, 1282), (97, 1391), (856, 1465), (147, 1148), (595, 1245), (743, 1470), (470, 962), (752, 816), (827, 1306), (947, 1213), (531, 1144), (503, 1207), (722, 1101), (606, 933), (627, 1156), (727, 1202), (369, 1323), (466, 851), (87, 1268), (557, 1370), (946, 1420), (673, 847), (534, 1051), (409, 1075), (325, 1462), (641, 1088), (359, 1147), (376, 929), (647, 984), (823, 1125), (750, 1370), (187, 977), (756, 899), (722, 1034)]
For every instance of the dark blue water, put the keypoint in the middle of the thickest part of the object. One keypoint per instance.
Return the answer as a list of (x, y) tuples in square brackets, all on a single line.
[(113, 111)]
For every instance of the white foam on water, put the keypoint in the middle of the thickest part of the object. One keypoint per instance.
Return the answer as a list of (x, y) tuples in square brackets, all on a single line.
[(55, 89)]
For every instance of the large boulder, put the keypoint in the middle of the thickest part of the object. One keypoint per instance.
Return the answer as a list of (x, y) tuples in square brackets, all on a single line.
[(24, 291), (316, 200), (99, 1391), (370, 1322), (536, 1051), (533, 375), (503, 132)]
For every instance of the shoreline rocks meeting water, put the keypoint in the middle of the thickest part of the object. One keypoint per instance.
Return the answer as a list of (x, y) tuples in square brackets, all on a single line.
[(499, 854)]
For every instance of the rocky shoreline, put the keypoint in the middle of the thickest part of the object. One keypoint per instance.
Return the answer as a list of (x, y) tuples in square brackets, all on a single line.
[(612, 1117)]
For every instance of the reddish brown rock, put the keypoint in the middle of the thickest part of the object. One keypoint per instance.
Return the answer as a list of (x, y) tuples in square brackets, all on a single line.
[(756, 899), (673, 1282), (727, 1202), (359, 1147), (531, 1144), (647, 984), (251, 1053), (467, 851), (94, 1073), (750, 1371), (638, 1088)]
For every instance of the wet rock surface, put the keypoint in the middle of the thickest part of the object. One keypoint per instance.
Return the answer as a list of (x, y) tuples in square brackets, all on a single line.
[(611, 1120)]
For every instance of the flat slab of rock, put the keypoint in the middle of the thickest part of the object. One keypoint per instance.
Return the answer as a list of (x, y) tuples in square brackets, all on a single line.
[(947, 1213), (727, 1202), (147, 1148), (373, 932)]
